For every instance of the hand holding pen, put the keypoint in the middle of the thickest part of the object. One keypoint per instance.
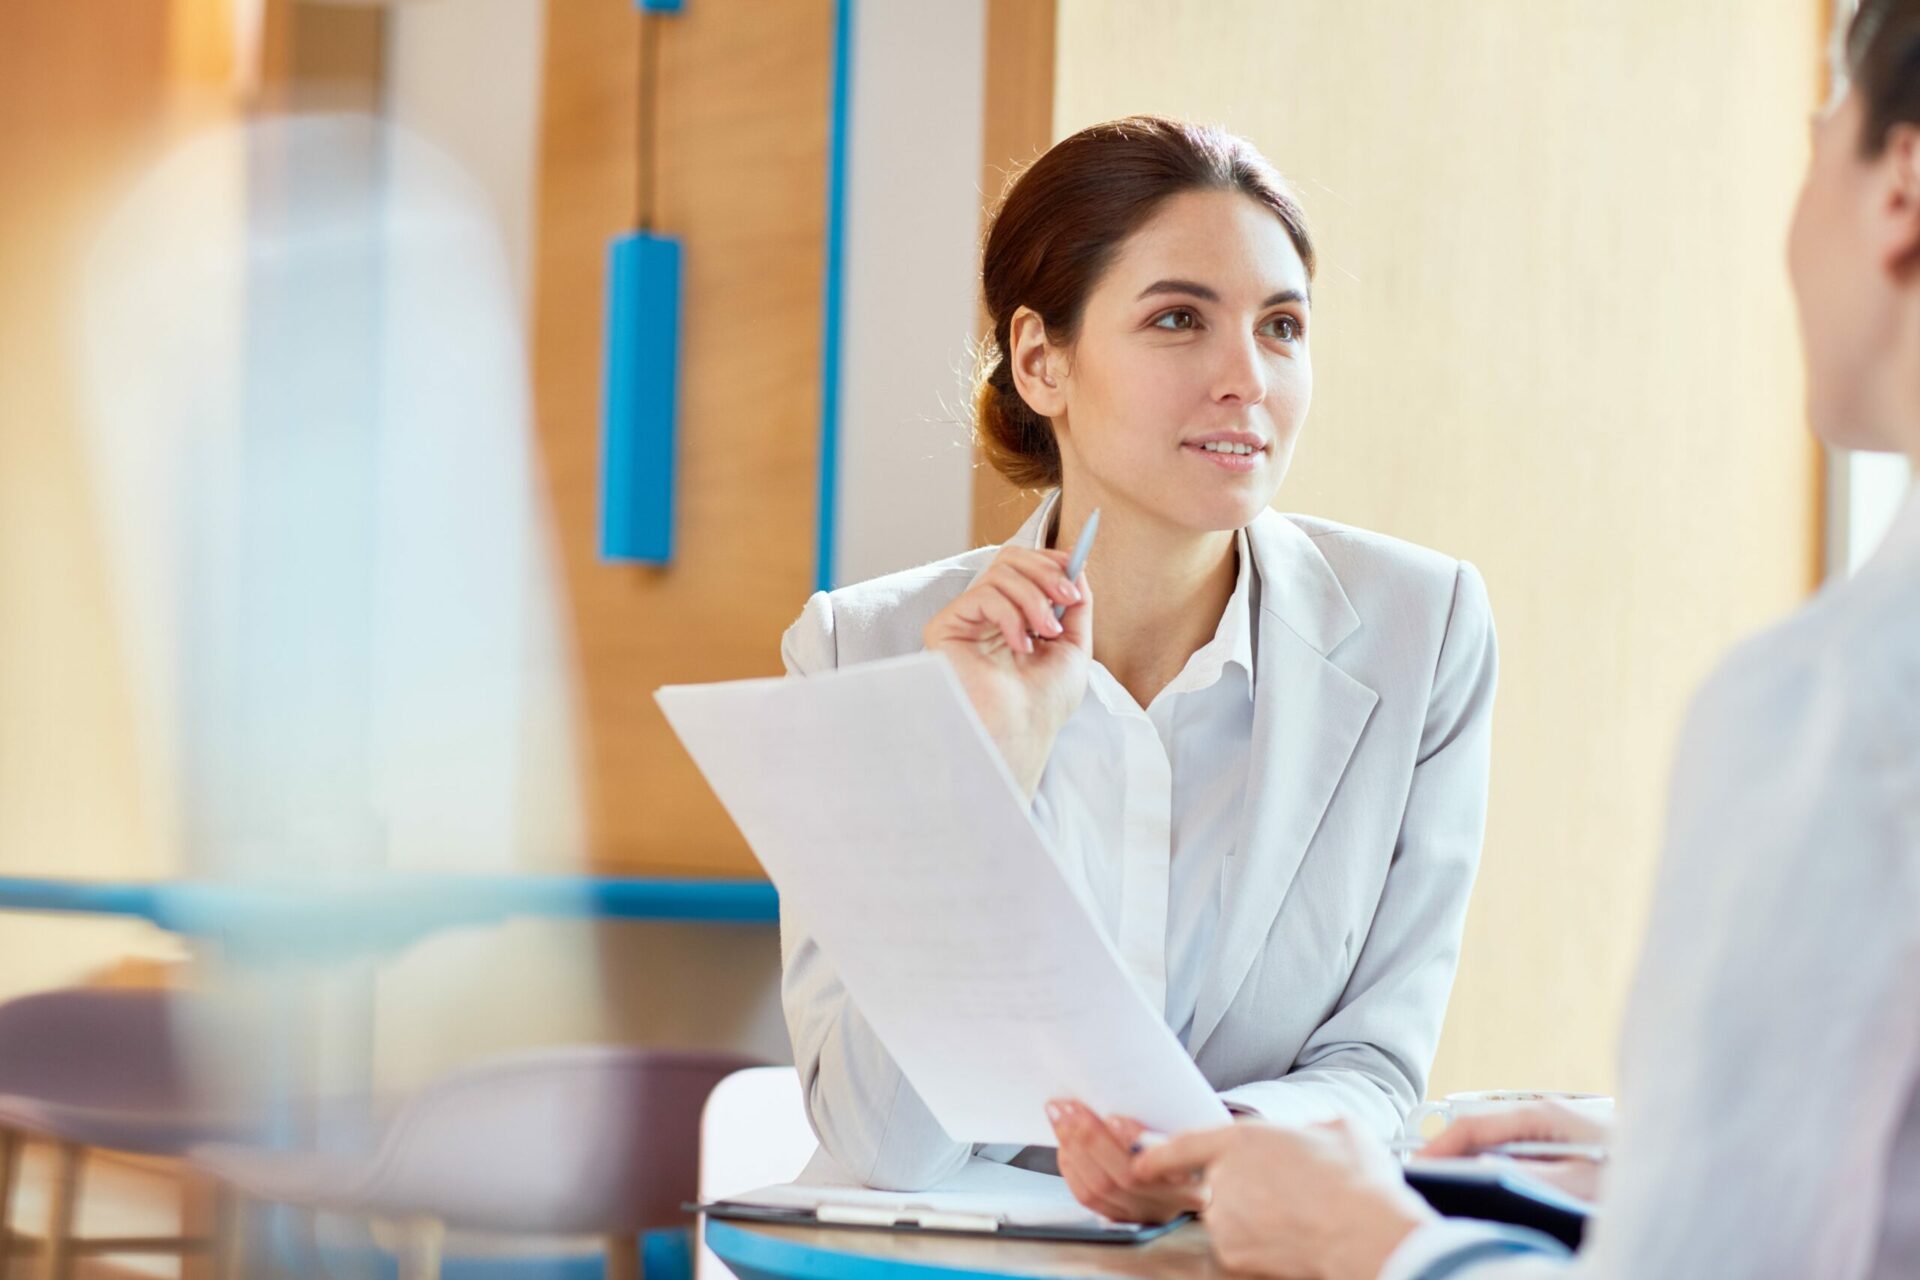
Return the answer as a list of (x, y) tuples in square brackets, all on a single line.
[(1020, 639)]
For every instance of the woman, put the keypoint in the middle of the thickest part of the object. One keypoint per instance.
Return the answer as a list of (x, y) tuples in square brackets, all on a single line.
[(1267, 759), (1770, 1081)]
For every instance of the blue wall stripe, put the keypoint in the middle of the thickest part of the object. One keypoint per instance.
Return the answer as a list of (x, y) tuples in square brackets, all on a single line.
[(836, 243)]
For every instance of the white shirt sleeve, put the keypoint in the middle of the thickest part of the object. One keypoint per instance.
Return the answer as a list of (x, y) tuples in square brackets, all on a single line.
[(1459, 1246)]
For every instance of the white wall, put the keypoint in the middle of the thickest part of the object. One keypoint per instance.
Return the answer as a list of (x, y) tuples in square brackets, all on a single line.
[(465, 74), (912, 275)]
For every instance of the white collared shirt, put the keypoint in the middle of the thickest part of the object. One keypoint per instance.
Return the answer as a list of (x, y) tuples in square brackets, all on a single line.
[(1142, 806)]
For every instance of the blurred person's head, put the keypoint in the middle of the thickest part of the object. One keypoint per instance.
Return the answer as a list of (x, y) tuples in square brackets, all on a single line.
[(1148, 287), (1854, 251)]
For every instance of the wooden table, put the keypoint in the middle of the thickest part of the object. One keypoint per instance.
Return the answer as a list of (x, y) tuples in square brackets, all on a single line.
[(758, 1251)]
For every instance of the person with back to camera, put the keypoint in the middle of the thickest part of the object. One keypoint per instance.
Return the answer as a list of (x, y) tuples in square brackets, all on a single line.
[(1770, 1072), (1263, 755)]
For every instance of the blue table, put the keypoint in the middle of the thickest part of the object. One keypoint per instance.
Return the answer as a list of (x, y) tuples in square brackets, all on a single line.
[(306, 920), (756, 1251)]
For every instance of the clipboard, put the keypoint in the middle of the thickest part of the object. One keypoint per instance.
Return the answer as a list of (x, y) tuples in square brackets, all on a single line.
[(933, 1221)]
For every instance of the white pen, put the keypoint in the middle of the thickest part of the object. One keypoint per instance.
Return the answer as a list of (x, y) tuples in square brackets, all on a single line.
[(1591, 1151), (1520, 1150), (1079, 558)]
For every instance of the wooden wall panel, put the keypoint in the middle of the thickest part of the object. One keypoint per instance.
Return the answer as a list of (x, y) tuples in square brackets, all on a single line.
[(82, 96), (1552, 334), (744, 115), (1017, 128)]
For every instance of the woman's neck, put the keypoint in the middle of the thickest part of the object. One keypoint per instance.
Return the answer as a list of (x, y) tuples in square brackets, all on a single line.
[(1159, 591)]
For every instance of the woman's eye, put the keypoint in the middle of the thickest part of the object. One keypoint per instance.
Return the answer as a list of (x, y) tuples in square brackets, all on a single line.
[(1286, 328), (1180, 317)]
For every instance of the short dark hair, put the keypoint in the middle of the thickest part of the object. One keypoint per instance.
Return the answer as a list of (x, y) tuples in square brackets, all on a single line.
[(1056, 232), (1883, 64)]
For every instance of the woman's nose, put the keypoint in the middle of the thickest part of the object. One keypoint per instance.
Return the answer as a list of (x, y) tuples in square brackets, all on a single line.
[(1241, 377)]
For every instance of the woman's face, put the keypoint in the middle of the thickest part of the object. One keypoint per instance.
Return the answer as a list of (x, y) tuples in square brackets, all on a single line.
[(1849, 249), (1190, 377)]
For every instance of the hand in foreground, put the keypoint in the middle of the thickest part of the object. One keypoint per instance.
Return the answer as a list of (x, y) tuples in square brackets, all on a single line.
[(1024, 672), (1096, 1159), (1539, 1122), (1322, 1203)]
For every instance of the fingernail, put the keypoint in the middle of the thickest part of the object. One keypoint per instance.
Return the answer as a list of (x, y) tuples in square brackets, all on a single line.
[(1056, 1112), (1053, 626), (1073, 592)]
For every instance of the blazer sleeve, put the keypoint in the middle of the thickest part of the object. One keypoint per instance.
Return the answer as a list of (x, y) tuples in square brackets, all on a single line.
[(869, 1120), (1369, 1060)]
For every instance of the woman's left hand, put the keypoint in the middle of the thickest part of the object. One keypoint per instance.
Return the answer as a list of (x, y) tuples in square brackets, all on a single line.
[(1323, 1203), (1096, 1159)]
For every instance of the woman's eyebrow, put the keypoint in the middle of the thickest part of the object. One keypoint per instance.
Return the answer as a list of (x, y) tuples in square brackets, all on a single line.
[(1206, 294)]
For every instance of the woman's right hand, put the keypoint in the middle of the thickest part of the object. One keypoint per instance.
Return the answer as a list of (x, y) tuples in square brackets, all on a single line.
[(1024, 672), (1539, 1122)]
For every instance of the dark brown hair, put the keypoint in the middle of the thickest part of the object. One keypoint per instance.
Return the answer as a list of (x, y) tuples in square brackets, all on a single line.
[(1057, 230), (1883, 63)]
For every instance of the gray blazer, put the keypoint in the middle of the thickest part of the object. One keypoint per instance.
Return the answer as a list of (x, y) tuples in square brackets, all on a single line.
[(1344, 899)]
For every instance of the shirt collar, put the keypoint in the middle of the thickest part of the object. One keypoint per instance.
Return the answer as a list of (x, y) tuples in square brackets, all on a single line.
[(1902, 540), (1232, 640)]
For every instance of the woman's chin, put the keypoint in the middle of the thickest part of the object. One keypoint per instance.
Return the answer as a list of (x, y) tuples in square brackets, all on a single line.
[(1211, 504), (1230, 506)]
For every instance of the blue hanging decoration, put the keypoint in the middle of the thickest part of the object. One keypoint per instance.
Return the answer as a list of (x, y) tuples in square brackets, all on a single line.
[(641, 405)]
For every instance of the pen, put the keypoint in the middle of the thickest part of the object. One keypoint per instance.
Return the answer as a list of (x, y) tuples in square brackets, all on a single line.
[(1079, 560), (1522, 1150)]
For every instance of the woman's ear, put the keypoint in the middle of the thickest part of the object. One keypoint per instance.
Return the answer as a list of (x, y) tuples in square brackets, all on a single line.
[(1035, 364), (1900, 161)]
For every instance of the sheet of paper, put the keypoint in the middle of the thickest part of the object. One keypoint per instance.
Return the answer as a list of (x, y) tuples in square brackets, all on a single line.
[(887, 818), (982, 1187)]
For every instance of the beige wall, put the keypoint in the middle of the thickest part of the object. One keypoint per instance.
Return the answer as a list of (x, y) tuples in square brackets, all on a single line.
[(82, 88), (1552, 335)]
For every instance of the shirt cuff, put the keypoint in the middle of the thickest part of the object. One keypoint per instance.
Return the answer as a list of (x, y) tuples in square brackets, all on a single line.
[(1278, 1102), (1448, 1248)]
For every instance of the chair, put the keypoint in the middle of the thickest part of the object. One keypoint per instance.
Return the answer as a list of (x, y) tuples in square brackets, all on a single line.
[(754, 1132), (586, 1140), (117, 1069)]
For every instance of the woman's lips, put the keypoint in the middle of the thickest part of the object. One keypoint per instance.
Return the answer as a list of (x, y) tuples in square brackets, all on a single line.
[(1236, 462)]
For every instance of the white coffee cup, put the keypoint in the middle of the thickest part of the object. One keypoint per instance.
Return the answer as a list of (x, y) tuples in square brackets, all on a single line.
[(1594, 1106)]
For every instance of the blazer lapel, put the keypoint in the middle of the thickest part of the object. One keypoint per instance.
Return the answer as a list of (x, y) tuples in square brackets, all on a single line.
[(1307, 718)]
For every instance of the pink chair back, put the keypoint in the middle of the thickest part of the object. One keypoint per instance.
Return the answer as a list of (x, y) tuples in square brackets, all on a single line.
[(601, 1140)]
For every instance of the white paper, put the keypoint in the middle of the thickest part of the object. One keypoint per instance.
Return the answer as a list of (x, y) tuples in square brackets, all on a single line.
[(887, 819), (982, 1188)]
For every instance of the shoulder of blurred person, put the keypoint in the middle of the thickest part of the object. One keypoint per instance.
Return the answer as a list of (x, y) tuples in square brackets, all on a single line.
[(1844, 668), (1812, 721)]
